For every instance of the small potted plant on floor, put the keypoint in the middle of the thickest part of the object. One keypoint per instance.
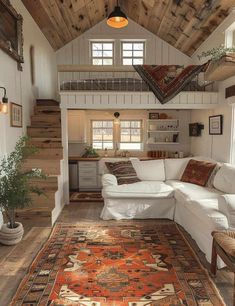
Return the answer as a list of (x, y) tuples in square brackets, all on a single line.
[(16, 190)]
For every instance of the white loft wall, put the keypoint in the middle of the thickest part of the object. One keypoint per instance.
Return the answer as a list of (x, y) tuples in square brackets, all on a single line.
[(218, 146), (158, 51), (18, 84)]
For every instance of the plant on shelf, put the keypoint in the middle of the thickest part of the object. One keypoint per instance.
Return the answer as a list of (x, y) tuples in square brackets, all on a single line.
[(16, 190), (216, 53), (90, 152)]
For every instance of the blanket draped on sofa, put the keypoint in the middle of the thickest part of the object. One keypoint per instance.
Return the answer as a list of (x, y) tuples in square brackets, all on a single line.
[(166, 81)]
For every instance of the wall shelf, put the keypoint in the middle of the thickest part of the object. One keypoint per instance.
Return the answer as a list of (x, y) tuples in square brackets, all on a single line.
[(159, 131), (221, 69)]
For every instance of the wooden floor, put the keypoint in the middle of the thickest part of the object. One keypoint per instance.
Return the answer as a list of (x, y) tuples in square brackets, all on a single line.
[(15, 261)]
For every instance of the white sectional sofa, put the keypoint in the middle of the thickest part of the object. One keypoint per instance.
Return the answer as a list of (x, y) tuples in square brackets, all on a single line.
[(161, 194)]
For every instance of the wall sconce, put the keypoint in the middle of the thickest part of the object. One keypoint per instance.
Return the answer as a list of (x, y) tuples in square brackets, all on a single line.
[(4, 102), (116, 120)]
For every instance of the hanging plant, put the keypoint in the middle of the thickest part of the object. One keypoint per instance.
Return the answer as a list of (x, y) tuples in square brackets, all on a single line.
[(216, 53)]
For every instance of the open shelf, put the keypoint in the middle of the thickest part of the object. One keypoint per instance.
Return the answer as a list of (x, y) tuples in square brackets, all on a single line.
[(159, 131)]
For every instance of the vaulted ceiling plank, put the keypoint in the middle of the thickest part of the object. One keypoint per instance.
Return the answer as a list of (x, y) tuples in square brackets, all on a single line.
[(53, 12), (38, 13)]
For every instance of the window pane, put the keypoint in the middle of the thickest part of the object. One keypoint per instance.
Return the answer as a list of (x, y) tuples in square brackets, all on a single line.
[(127, 46), (97, 53), (108, 46), (97, 46), (97, 145), (136, 124), (97, 61), (138, 46), (107, 124), (138, 53), (127, 61), (108, 145), (127, 53), (138, 61), (125, 124), (107, 61), (130, 146), (97, 123), (107, 53)]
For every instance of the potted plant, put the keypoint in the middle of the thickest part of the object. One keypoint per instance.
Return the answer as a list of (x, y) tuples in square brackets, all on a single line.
[(216, 54), (15, 190)]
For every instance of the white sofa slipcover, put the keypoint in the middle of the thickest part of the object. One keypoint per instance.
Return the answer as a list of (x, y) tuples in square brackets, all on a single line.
[(200, 210)]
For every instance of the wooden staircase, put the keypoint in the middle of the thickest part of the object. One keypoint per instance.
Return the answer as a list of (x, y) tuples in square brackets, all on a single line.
[(45, 134)]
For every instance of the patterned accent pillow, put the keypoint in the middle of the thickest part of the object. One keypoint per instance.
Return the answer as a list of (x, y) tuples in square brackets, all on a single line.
[(198, 172), (124, 172)]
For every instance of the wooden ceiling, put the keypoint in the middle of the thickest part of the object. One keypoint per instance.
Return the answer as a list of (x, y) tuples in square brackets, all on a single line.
[(184, 24)]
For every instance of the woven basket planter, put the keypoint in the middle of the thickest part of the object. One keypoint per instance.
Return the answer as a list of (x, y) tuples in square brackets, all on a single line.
[(11, 236)]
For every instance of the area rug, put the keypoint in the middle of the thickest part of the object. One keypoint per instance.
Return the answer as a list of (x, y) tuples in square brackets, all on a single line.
[(86, 197), (117, 264)]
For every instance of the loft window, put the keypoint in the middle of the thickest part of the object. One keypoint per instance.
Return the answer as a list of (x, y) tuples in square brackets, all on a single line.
[(102, 134), (102, 53), (133, 53), (131, 134)]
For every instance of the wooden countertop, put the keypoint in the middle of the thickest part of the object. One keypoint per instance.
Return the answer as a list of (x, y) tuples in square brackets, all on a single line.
[(79, 158)]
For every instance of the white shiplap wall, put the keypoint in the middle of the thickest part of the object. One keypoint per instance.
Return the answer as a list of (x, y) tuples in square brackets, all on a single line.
[(157, 51)]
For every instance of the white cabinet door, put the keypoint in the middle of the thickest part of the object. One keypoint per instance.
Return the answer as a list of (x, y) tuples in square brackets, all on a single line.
[(76, 126)]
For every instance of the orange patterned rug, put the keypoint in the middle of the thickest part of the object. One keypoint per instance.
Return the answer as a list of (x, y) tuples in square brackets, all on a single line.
[(117, 264)]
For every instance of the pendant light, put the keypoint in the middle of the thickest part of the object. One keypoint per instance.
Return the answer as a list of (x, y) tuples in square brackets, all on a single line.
[(117, 19)]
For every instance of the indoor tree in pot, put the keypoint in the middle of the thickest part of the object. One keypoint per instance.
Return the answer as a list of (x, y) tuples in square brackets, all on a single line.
[(16, 190)]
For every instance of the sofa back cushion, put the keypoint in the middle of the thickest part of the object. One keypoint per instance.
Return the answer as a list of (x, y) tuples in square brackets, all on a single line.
[(124, 172), (149, 170), (198, 172), (225, 179), (174, 168)]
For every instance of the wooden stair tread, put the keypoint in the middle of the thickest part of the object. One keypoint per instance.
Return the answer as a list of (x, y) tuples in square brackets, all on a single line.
[(47, 102)]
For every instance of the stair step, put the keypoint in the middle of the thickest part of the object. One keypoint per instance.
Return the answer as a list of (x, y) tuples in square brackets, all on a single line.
[(46, 120), (40, 216), (52, 132), (44, 142), (44, 201), (48, 153), (47, 110), (49, 184), (48, 166), (46, 102)]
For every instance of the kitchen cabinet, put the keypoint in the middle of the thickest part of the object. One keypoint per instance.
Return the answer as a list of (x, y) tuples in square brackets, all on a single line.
[(88, 176), (76, 126)]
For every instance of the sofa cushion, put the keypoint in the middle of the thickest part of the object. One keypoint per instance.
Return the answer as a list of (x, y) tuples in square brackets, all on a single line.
[(225, 178), (124, 172), (144, 189), (174, 167), (198, 172), (188, 192), (207, 211), (226, 205), (149, 170)]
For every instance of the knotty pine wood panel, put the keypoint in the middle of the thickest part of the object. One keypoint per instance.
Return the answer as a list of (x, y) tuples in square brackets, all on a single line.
[(182, 24)]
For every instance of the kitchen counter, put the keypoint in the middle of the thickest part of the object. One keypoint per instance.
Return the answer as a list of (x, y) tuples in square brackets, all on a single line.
[(79, 158)]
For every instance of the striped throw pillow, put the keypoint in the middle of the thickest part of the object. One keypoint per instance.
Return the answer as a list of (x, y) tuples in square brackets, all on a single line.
[(124, 172)]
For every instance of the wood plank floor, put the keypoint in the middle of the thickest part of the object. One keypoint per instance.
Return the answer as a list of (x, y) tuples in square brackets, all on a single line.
[(15, 261)]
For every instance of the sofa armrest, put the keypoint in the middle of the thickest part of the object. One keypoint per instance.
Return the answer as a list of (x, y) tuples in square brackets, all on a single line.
[(226, 205), (109, 180)]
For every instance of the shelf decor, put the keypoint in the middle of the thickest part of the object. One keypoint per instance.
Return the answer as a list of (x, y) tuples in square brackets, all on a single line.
[(216, 125), (153, 115)]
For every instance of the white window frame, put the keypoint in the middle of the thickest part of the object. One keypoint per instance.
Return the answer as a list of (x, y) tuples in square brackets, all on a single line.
[(102, 140), (132, 50), (131, 128), (102, 57)]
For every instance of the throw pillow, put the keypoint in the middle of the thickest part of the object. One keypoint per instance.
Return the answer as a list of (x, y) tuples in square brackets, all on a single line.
[(124, 172), (197, 172)]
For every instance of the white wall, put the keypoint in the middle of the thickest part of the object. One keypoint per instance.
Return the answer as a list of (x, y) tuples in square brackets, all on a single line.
[(18, 84), (157, 51), (217, 146)]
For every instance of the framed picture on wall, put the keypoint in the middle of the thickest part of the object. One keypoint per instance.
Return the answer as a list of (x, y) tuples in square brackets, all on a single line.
[(153, 116), (16, 115), (216, 125)]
